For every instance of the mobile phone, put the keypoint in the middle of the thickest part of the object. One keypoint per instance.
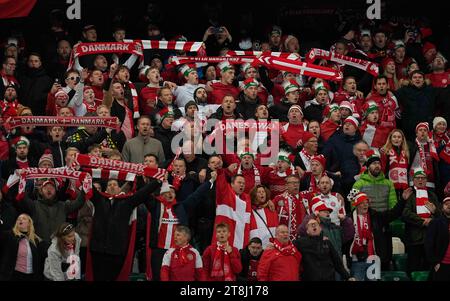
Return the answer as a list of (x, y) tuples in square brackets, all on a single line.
[(217, 30), (56, 80)]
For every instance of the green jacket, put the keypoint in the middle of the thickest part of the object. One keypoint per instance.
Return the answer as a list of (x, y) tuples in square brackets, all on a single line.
[(381, 191), (414, 229)]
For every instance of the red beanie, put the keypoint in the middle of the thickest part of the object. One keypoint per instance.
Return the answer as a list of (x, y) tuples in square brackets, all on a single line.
[(321, 159), (427, 46)]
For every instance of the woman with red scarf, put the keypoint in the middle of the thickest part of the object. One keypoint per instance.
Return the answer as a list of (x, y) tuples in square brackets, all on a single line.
[(222, 262), (280, 262), (441, 140)]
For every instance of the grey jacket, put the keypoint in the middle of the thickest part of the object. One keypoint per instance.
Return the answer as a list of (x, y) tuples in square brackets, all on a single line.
[(48, 215), (135, 149), (52, 268)]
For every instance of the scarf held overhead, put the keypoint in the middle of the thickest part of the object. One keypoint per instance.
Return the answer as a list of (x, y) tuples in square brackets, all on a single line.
[(285, 55), (180, 60), (107, 122), (367, 66)]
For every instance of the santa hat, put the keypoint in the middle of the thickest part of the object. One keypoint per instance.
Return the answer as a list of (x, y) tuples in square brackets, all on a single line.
[(224, 66), (47, 156), (318, 205), (346, 105), (438, 119), (359, 198), (165, 187), (419, 172), (162, 114), (428, 46), (284, 156), (250, 82), (186, 69), (290, 86), (372, 155), (321, 159), (241, 155), (369, 107), (423, 125), (22, 141), (306, 137), (49, 181), (143, 73), (330, 109), (352, 120), (245, 67), (295, 107)]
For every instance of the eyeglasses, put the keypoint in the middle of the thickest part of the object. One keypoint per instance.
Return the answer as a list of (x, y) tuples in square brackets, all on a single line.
[(67, 229), (74, 78)]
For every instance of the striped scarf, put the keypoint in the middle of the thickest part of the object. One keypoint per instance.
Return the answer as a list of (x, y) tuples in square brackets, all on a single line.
[(167, 224), (285, 55), (255, 170), (421, 200), (134, 94), (422, 156)]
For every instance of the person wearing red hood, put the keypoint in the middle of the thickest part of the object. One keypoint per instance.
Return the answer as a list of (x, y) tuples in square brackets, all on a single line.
[(389, 70), (225, 86), (282, 261), (331, 123)]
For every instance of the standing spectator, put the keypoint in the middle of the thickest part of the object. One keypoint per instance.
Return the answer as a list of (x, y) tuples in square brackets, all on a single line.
[(437, 244), (264, 219), (63, 260), (303, 158), (182, 263), (148, 96), (320, 259), (60, 63), (380, 190), (418, 102), (292, 132), (291, 97), (331, 122), (421, 208), (216, 39), (282, 261), (135, 149), (248, 99), (250, 257), (315, 107), (217, 91), (164, 134), (222, 261), (22, 252), (9, 65), (439, 77), (372, 234), (185, 93), (35, 84)]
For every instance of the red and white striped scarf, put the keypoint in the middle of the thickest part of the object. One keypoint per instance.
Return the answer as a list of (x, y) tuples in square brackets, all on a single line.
[(422, 156), (285, 249), (107, 174), (398, 169), (116, 165), (296, 67), (256, 172), (367, 66), (82, 49), (56, 173), (49, 121), (134, 95), (306, 158), (285, 55), (421, 200), (221, 266), (170, 45), (364, 240), (204, 60), (167, 224)]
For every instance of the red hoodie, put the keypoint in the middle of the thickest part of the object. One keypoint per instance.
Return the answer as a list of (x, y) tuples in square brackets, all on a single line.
[(219, 92)]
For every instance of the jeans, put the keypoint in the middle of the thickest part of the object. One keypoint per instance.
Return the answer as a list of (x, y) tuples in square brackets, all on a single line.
[(359, 270)]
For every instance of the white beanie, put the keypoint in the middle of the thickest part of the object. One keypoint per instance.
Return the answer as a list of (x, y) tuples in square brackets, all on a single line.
[(436, 120)]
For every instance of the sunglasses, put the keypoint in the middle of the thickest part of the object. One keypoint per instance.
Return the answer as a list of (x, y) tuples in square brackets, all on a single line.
[(67, 229), (74, 78)]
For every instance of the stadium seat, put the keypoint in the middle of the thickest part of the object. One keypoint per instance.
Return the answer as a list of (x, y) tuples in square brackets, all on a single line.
[(398, 247), (420, 276), (394, 276), (398, 229), (400, 261), (138, 277)]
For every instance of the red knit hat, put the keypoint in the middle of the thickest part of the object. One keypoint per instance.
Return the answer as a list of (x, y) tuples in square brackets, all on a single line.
[(162, 114), (428, 46), (359, 198), (352, 120), (422, 125), (386, 61), (307, 136), (321, 159), (330, 109), (47, 156), (250, 82)]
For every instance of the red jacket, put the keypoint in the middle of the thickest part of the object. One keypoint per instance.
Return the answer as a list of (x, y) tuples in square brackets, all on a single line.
[(173, 269), (439, 80), (219, 92), (274, 266), (208, 258), (147, 93)]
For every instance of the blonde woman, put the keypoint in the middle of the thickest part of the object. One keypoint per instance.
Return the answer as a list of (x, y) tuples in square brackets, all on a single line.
[(63, 260), (22, 250), (394, 160)]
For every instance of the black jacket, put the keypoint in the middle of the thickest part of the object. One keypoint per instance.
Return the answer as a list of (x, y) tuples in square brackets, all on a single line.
[(245, 260), (320, 260), (247, 107), (314, 112), (9, 246), (110, 233), (437, 239), (35, 85), (280, 111), (165, 136)]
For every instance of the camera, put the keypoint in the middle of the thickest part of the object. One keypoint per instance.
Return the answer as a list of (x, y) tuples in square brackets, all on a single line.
[(217, 30)]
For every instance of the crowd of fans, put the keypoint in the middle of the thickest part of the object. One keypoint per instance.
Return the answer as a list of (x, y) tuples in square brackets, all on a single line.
[(355, 155)]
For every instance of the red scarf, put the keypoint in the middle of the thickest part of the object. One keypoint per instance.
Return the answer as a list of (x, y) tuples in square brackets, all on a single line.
[(363, 235), (222, 264), (90, 107), (181, 60), (177, 181), (285, 55), (421, 200), (304, 155), (367, 66), (183, 252), (167, 224), (441, 139), (422, 157), (285, 249), (328, 128), (398, 169), (134, 94)]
